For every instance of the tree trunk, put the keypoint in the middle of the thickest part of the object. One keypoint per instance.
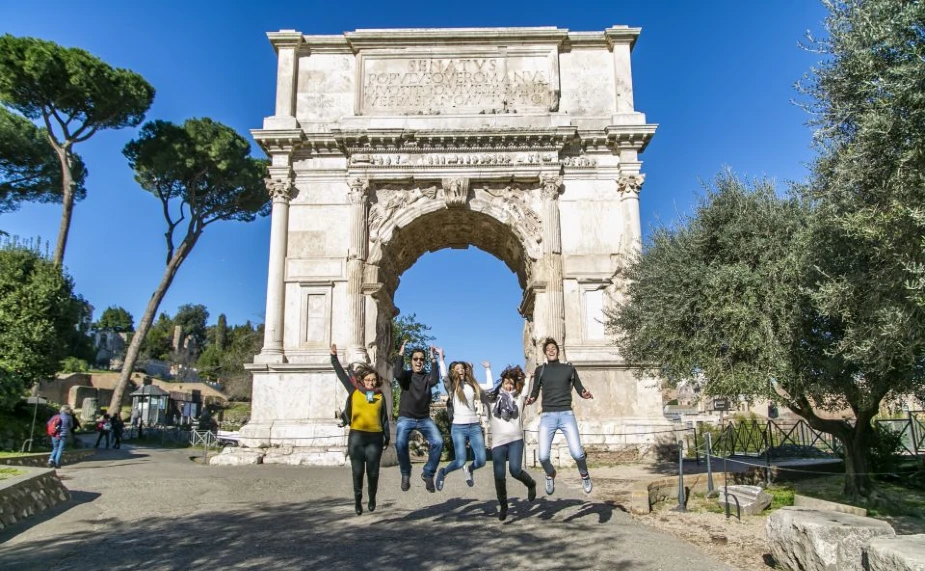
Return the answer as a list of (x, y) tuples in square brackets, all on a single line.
[(857, 441), (67, 193), (134, 348)]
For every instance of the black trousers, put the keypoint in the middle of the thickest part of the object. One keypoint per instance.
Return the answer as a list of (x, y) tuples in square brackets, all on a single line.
[(365, 450)]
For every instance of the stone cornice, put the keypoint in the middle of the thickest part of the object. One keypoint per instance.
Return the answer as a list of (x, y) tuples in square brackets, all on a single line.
[(635, 137), (387, 38), (275, 141), (622, 35), (285, 39), (451, 140), (606, 39)]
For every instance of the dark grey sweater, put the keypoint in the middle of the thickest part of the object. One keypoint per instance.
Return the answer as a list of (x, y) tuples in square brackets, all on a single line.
[(556, 380), (414, 401)]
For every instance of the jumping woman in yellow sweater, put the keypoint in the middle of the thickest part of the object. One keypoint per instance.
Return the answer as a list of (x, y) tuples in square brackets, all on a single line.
[(369, 428)]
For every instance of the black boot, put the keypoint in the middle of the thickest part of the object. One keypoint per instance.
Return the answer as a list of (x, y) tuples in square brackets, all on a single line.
[(358, 497), (373, 488), (501, 491), (530, 483)]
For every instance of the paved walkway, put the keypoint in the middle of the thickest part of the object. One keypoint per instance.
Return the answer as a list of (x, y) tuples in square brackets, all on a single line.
[(155, 509)]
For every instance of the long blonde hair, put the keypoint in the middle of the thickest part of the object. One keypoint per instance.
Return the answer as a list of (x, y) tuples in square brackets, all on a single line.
[(467, 378)]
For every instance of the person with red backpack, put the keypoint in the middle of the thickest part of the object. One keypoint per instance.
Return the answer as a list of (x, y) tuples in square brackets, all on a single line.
[(59, 427)]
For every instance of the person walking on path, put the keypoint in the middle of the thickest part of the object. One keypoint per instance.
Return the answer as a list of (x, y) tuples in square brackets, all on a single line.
[(507, 433), (556, 379), (414, 414), (464, 392), (369, 428), (65, 426), (104, 427), (118, 427)]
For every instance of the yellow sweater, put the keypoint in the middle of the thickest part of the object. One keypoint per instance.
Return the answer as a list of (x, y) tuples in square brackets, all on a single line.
[(366, 415)]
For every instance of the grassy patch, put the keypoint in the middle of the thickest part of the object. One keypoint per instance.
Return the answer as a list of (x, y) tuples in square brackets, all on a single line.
[(10, 472), (781, 496), (890, 499)]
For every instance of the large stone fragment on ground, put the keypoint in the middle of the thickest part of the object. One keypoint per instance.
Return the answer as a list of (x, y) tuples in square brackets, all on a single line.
[(815, 540), (900, 553), (752, 500), (234, 456)]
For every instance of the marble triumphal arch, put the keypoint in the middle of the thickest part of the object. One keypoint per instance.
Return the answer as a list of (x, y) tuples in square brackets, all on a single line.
[(387, 144)]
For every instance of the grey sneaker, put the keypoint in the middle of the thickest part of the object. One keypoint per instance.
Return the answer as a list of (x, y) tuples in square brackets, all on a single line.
[(586, 483), (441, 476), (429, 483), (405, 482), (467, 470), (550, 484)]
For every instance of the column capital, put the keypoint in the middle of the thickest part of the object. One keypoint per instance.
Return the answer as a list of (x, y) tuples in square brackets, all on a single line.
[(630, 184), (279, 187), (551, 186), (359, 191)]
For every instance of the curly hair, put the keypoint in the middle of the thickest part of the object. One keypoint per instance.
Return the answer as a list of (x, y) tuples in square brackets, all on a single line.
[(516, 374), (363, 371), (467, 378)]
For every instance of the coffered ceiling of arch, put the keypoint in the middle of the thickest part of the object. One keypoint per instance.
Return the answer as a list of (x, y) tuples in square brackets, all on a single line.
[(451, 228)]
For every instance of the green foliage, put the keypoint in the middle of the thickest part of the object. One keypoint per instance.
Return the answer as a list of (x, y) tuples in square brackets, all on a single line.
[(74, 365), (158, 342), (781, 496), (886, 449), (116, 319), (192, 321), (227, 365), (38, 315), (75, 95), (29, 167), (719, 295), (442, 420), (221, 331)]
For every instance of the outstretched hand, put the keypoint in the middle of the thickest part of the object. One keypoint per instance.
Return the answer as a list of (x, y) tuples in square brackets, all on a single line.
[(440, 352), (333, 350), (401, 350), (486, 364)]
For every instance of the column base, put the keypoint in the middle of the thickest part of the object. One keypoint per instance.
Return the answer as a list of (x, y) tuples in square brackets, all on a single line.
[(270, 358)]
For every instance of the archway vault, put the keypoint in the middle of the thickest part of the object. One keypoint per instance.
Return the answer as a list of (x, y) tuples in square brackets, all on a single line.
[(493, 217)]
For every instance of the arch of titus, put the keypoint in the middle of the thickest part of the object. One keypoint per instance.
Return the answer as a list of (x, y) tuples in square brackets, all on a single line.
[(387, 144)]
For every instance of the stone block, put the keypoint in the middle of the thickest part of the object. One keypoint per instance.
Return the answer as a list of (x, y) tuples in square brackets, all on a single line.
[(237, 457), (817, 504), (752, 500), (816, 540), (900, 553)]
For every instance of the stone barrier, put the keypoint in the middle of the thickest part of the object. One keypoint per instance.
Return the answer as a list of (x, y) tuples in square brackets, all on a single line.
[(900, 553), (40, 459), (816, 540), (29, 494)]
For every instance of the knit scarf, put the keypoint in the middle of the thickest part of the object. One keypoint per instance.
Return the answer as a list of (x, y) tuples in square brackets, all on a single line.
[(505, 407)]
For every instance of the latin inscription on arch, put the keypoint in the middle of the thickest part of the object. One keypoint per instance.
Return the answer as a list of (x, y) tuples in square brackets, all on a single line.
[(482, 84)]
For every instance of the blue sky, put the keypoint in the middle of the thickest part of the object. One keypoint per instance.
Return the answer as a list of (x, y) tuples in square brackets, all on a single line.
[(717, 77)]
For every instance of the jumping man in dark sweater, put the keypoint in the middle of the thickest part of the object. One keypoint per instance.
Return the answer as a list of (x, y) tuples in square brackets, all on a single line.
[(556, 380), (414, 414)]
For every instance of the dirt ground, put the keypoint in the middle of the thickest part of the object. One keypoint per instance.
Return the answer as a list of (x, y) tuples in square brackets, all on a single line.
[(740, 544)]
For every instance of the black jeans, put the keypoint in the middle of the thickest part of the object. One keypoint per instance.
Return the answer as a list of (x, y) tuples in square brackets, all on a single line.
[(365, 450)]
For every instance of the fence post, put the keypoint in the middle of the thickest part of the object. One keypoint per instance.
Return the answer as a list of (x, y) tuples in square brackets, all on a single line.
[(915, 439), (709, 440), (682, 493)]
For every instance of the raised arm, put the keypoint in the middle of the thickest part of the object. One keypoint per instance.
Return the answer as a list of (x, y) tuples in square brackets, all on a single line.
[(442, 363), (398, 368), (341, 373), (433, 377), (489, 379)]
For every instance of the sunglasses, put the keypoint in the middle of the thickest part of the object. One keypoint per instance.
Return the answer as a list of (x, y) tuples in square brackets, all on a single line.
[(418, 359)]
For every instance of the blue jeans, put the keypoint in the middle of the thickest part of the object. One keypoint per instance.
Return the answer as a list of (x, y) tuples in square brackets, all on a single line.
[(461, 433), (429, 431), (565, 421), (511, 454), (57, 447)]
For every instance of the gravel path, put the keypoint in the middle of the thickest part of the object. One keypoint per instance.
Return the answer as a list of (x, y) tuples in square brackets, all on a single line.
[(156, 509)]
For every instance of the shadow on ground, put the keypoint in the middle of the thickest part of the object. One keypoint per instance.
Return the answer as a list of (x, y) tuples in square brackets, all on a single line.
[(325, 534)]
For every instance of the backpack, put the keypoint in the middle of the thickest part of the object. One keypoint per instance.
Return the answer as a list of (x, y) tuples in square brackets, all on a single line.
[(53, 426)]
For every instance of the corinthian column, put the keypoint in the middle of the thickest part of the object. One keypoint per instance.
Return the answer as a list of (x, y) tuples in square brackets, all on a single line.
[(356, 260), (629, 187), (279, 186), (552, 253)]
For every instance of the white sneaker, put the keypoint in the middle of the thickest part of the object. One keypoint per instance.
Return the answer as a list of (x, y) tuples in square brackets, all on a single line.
[(467, 470), (550, 484), (586, 484)]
